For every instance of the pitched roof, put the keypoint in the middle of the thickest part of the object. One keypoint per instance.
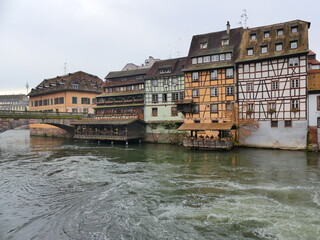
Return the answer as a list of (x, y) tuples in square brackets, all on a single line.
[(87, 83), (175, 66), (214, 46), (127, 73), (301, 36)]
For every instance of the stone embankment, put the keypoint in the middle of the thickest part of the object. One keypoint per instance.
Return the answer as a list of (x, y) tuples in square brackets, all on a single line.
[(12, 124)]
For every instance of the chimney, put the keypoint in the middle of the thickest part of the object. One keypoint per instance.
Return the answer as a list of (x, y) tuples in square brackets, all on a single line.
[(228, 27)]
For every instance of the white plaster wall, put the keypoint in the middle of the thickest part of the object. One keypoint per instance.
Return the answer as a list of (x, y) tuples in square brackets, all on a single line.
[(280, 137), (313, 112)]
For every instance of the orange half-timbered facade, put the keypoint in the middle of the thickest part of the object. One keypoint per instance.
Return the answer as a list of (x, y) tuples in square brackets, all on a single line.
[(210, 82), (272, 83)]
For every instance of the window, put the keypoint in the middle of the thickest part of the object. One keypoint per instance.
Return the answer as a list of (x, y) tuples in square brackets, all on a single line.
[(287, 123), (229, 91), (250, 107), (253, 36), (215, 58), (279, 47), (155, 83), (75, 85), (294, 29), (195, 76), (293, 44), (293, 62), (250, 87), (274, 124), (229, 73), (196, 109), (228, 106), (213, 108), (56, 101), (294, 83), (174, 111), (222, 57), (85, 100), (174, 81), (74, 110), (280, 32), (194, 60), (200, 59), (164, 97), (175, 97), (167, 70), (250, 51), (214, 75), (228, 56), (264, 49), (225, 42), (246, 68), (165, 82), (318, 122), (181, 95), (74, 100), (258, 66), (195, 93), (206, 59), (274, 85), (214, 92), (203, 45), (61, 100), (294, 104), (266, 34), (271, 106), (318, 103), (154, 112), (154, 98)]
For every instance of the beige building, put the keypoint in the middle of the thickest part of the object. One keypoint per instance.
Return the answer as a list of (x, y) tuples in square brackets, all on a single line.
[(74, 92)]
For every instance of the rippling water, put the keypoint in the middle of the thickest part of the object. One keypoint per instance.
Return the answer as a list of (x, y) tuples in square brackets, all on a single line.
[(58, 189)]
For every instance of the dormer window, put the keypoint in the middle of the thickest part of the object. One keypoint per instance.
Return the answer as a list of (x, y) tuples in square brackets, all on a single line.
[(167, 70), (250, 51), (225, 42), (206, 59), (264, 49), (203, 45), (194, 60), (293, 44), (253, 36), (228, 56), (266, 34), (294, 29), (279, 47), (75, 85), (280, 32)]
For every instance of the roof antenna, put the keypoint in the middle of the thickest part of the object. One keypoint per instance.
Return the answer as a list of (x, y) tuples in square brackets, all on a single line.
[(65, 68), (244, 18)]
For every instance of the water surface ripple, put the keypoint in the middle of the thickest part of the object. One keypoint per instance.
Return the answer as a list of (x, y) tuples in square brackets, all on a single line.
[(58, 189)]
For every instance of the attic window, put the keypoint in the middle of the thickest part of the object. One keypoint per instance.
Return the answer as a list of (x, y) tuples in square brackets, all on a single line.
[(266, 34), (293, 44), (166, 70), (75, 85), (253, 36), (203, 45), (225, 42), (280, 32), (294, 29)]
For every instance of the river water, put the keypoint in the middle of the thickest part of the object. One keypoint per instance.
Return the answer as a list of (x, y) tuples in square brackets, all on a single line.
[(60, 189)]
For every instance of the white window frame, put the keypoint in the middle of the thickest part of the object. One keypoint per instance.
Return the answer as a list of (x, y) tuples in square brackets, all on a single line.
[(214, 92), (214, 75), (229, 73), (195, 93), (195, 76)]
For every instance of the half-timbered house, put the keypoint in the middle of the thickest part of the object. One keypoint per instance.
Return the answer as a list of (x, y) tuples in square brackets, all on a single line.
[(210, 86), (272, 83)]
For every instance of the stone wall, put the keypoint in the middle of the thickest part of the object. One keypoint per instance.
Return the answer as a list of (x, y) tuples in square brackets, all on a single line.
[(161, 133), (6, 124), (46, 130)]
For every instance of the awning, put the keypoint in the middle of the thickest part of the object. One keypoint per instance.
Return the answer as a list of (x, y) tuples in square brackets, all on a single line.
[(206, 126)]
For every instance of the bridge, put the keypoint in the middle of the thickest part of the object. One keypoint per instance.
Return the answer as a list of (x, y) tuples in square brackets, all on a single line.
[(64, 120)]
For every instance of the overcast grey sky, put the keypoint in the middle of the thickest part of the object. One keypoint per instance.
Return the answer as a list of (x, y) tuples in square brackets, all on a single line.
[(97, 36)]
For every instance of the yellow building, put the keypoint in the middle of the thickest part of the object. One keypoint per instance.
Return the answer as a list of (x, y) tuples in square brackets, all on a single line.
[(74, 92)]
